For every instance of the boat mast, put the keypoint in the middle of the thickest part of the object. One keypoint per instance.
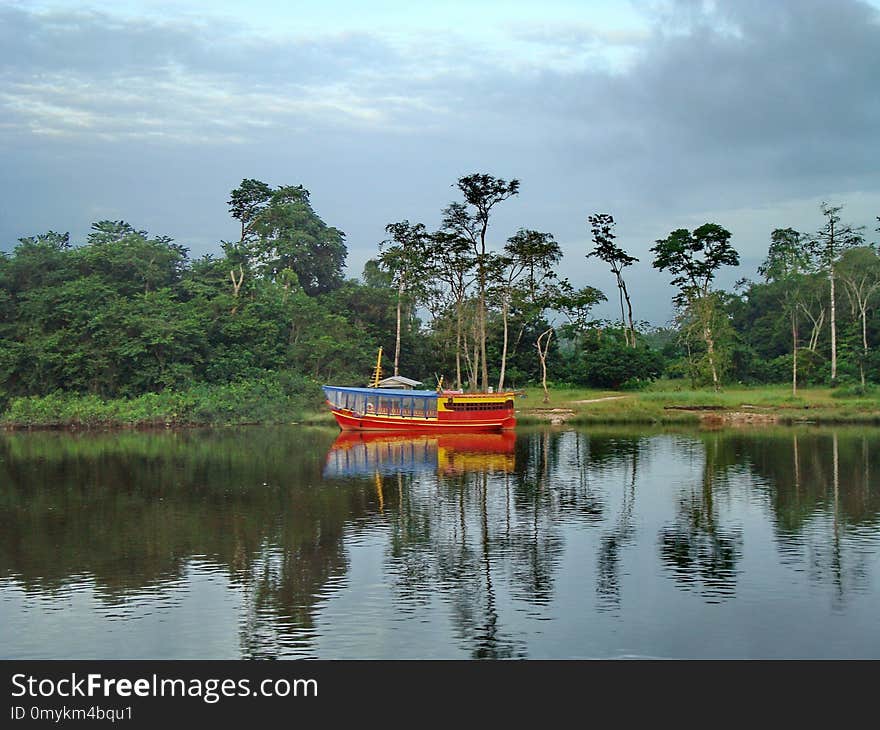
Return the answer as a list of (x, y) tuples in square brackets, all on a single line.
[(377, 372)]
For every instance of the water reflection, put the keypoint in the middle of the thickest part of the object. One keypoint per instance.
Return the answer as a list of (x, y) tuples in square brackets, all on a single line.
[(130, 512), (619, 534), (358, 453), (826, 504), (698, 549), (292, 542)]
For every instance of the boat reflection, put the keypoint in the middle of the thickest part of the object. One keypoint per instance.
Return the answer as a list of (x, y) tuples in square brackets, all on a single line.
[(359, 453)]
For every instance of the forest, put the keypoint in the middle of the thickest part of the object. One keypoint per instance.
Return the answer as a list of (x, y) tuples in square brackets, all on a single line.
[(126, 325)]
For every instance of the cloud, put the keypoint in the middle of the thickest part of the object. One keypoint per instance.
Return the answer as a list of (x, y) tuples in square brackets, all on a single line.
[(725, 107), (732, 75), (71, 73)]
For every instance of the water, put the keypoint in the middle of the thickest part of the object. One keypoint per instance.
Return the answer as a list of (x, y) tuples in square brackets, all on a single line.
[(290, 542)]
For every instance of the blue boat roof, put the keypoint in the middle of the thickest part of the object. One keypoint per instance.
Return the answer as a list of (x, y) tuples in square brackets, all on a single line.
[(400, 392)]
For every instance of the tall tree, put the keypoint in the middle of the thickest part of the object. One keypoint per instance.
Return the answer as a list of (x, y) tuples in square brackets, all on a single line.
[(693, 258), (452, 263), (787, 261), (245, 203), (528, 259), (604, 248), (404, 258), (859, 270), (470, 221), (826, 245)]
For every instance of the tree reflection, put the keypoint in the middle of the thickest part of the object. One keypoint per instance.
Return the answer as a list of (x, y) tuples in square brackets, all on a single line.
[(480, 532), (132, 512), (620, 535), (698, 550), (823, 502)]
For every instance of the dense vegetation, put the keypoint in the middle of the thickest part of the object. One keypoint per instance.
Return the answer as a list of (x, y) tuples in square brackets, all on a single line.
[(126, 327)]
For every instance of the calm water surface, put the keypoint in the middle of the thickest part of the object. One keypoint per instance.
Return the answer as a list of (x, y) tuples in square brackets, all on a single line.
[(293, 542)]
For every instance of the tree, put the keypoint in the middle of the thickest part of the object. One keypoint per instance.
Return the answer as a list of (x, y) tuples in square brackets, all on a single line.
[(280, 230), (561, 297), (543, 345), (788, 255), (577, 306), (246, 202), (826, 244), (404, 257), (452, 264), (787, 261), (38, 261), (693, 259), (602, 226), (528, 259), (859, 270), (128, 257), (470, 221)]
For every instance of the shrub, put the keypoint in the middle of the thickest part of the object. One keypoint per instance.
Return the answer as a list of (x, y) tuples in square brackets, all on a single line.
[(613, 364), (271, 398), (854, 390)]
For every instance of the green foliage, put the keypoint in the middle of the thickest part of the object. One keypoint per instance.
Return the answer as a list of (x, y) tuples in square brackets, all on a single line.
[(787, 256), (608, 362), (693, 259), (854, 391), (125, 328), (826, 244), (272, 398), (280, 230), (127, 315)]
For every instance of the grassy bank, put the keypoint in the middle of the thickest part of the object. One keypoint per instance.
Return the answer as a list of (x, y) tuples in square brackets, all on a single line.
[(670, 402), (276, 399), (273, 399)]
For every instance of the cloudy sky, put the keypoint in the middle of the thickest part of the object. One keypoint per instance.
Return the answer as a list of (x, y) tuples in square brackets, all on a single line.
[(665, 113)]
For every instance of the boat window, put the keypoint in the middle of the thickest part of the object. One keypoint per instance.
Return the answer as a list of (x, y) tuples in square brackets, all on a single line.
[(480, 406)]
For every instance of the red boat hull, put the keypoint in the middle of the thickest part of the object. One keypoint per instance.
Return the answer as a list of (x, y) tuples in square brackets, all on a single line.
[(476, 422)]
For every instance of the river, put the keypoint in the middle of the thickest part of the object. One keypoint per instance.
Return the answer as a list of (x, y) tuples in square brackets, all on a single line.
[(292, 542)]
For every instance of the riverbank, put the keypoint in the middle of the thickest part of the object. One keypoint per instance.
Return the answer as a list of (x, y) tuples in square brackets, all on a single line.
[(271, 401), (669, 403)]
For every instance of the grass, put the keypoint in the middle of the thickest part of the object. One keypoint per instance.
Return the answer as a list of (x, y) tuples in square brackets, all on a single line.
[(668, 402)]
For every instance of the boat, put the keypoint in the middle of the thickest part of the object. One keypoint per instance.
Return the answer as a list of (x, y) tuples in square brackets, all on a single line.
[(403, 409), (392, 409)]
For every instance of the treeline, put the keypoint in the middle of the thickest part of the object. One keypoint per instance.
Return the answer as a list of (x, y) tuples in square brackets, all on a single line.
[(126, 314)]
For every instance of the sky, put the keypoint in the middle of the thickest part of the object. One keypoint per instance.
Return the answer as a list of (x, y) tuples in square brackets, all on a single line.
[(664, 113)]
